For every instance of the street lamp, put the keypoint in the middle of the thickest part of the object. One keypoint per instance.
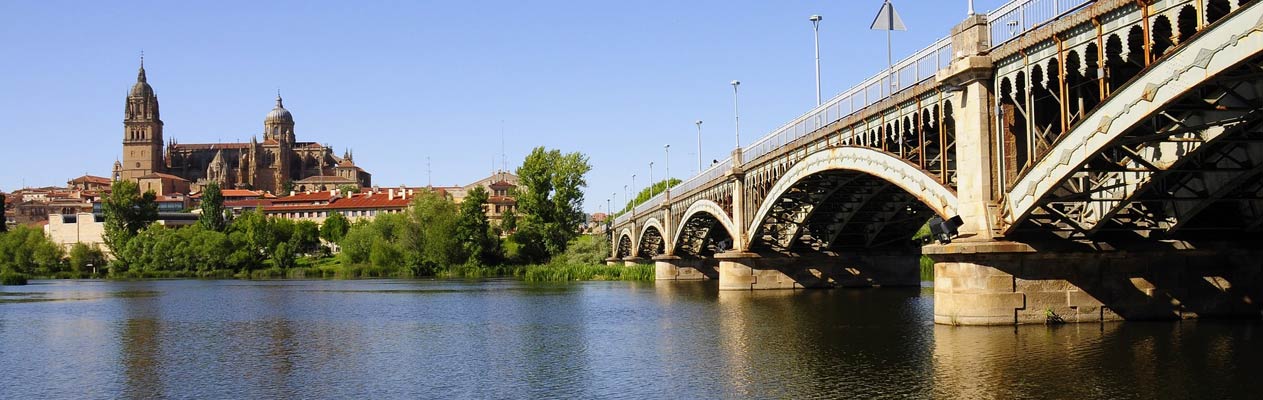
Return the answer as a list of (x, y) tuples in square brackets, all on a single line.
[(651, 181), (971, 7), (815, 27), (736, 112), (626, 197), (699, 146), (666, 165)]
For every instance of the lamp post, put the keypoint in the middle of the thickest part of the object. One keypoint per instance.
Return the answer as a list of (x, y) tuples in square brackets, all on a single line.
[(666, 165), (736, 114), (815, 27), (632, 200), (699, 146), (971, 7), (625, 195), (651, 181)]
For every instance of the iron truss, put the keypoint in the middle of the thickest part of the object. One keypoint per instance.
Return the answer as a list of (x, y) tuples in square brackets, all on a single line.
[(1195, 165), (833, 210), (700, 236)]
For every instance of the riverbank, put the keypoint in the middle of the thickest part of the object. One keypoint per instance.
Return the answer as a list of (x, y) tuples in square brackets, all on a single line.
[(330, 268)]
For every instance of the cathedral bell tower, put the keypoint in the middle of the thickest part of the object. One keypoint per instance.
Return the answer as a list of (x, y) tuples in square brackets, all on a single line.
[(142, 131), (278, 130)]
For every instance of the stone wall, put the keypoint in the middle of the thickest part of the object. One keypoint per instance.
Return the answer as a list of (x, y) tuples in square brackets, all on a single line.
[(1004, 283)]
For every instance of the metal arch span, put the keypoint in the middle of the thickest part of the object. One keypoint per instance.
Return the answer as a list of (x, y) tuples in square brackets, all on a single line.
[(1212, 52), (653, 222), (707, 207), (924, 187), (627, 236)]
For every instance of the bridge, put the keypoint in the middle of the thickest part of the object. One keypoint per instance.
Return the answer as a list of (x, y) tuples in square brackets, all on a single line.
[(1104, 158)]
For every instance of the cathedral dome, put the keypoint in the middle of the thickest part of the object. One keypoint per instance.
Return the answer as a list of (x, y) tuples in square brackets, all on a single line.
[(279, 114), (141, 88)]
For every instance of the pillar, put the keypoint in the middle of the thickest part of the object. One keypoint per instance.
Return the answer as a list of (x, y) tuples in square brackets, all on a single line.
[(1007, 283), (968, 82), (673, 268), (613, 261), (738, 202), (751, 271), (632, 261)]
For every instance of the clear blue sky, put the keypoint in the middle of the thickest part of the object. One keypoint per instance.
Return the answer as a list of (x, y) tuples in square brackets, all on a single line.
[(398, 81)]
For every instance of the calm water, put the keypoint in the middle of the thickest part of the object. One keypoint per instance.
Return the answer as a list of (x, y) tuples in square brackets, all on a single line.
[(507, 339)]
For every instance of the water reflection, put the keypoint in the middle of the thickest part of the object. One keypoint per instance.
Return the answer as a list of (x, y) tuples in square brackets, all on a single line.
[(141, 346), (508, 339)]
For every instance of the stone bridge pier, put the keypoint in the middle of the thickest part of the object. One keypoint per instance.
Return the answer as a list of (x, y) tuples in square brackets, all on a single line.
[(751, 271)]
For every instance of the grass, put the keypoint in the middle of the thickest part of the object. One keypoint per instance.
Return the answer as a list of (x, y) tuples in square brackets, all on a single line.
[(580, 272), (12, 279), (927, 268), (332, 268)]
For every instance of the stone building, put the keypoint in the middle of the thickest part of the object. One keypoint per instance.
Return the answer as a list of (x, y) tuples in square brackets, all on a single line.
[(269, 165)]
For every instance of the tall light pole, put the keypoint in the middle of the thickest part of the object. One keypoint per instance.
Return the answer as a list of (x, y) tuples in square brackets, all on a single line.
[(699, 146), (652, 183), (971, 7), (666, 165), (633, 188), (626, 196), (815, 27), (736, 114)]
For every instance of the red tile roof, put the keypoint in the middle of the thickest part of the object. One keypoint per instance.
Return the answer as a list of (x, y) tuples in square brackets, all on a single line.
[(358, 201), (92, 179), (305, 197), (252, 203)]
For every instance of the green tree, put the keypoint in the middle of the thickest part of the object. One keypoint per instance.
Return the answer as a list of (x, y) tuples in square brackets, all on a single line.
[(430, 234), (473, 230), (286, 188), (305, 238), (349, 188), (28, 250), (550, 198), (126, 213), (254, 237), (283, 256), (648, 193), (508, 221), (334, 227), (84, 258), (212, 217)]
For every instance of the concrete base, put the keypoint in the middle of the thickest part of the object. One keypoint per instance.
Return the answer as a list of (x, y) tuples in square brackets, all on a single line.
[(672, 268), (612, 261), (750, 271), (633, 261), (1006, 283)]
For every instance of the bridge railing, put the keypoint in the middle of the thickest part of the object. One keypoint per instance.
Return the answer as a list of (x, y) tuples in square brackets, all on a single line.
[(1020, 16), (917, 68)]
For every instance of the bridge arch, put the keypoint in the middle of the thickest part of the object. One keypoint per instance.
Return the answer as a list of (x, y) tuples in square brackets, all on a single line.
[(651, 241), (865, 162), (697, 225), (625, 244), (1113, 161)]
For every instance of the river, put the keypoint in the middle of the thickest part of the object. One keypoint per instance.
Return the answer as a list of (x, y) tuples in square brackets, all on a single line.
[(510, 339)]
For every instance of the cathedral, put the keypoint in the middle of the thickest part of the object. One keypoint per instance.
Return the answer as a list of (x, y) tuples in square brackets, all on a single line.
[(277, 162)]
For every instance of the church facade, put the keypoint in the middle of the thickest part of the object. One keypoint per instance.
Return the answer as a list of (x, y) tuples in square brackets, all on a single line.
[(272, 164)]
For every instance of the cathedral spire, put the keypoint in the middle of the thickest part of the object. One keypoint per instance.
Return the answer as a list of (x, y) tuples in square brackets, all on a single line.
[(140, 76), (278, 99)]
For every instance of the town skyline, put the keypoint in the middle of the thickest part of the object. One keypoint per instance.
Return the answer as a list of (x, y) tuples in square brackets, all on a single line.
[(429, 76)]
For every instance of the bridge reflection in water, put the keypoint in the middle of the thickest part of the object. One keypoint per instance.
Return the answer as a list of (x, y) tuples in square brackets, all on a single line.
[(1105, 158)]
